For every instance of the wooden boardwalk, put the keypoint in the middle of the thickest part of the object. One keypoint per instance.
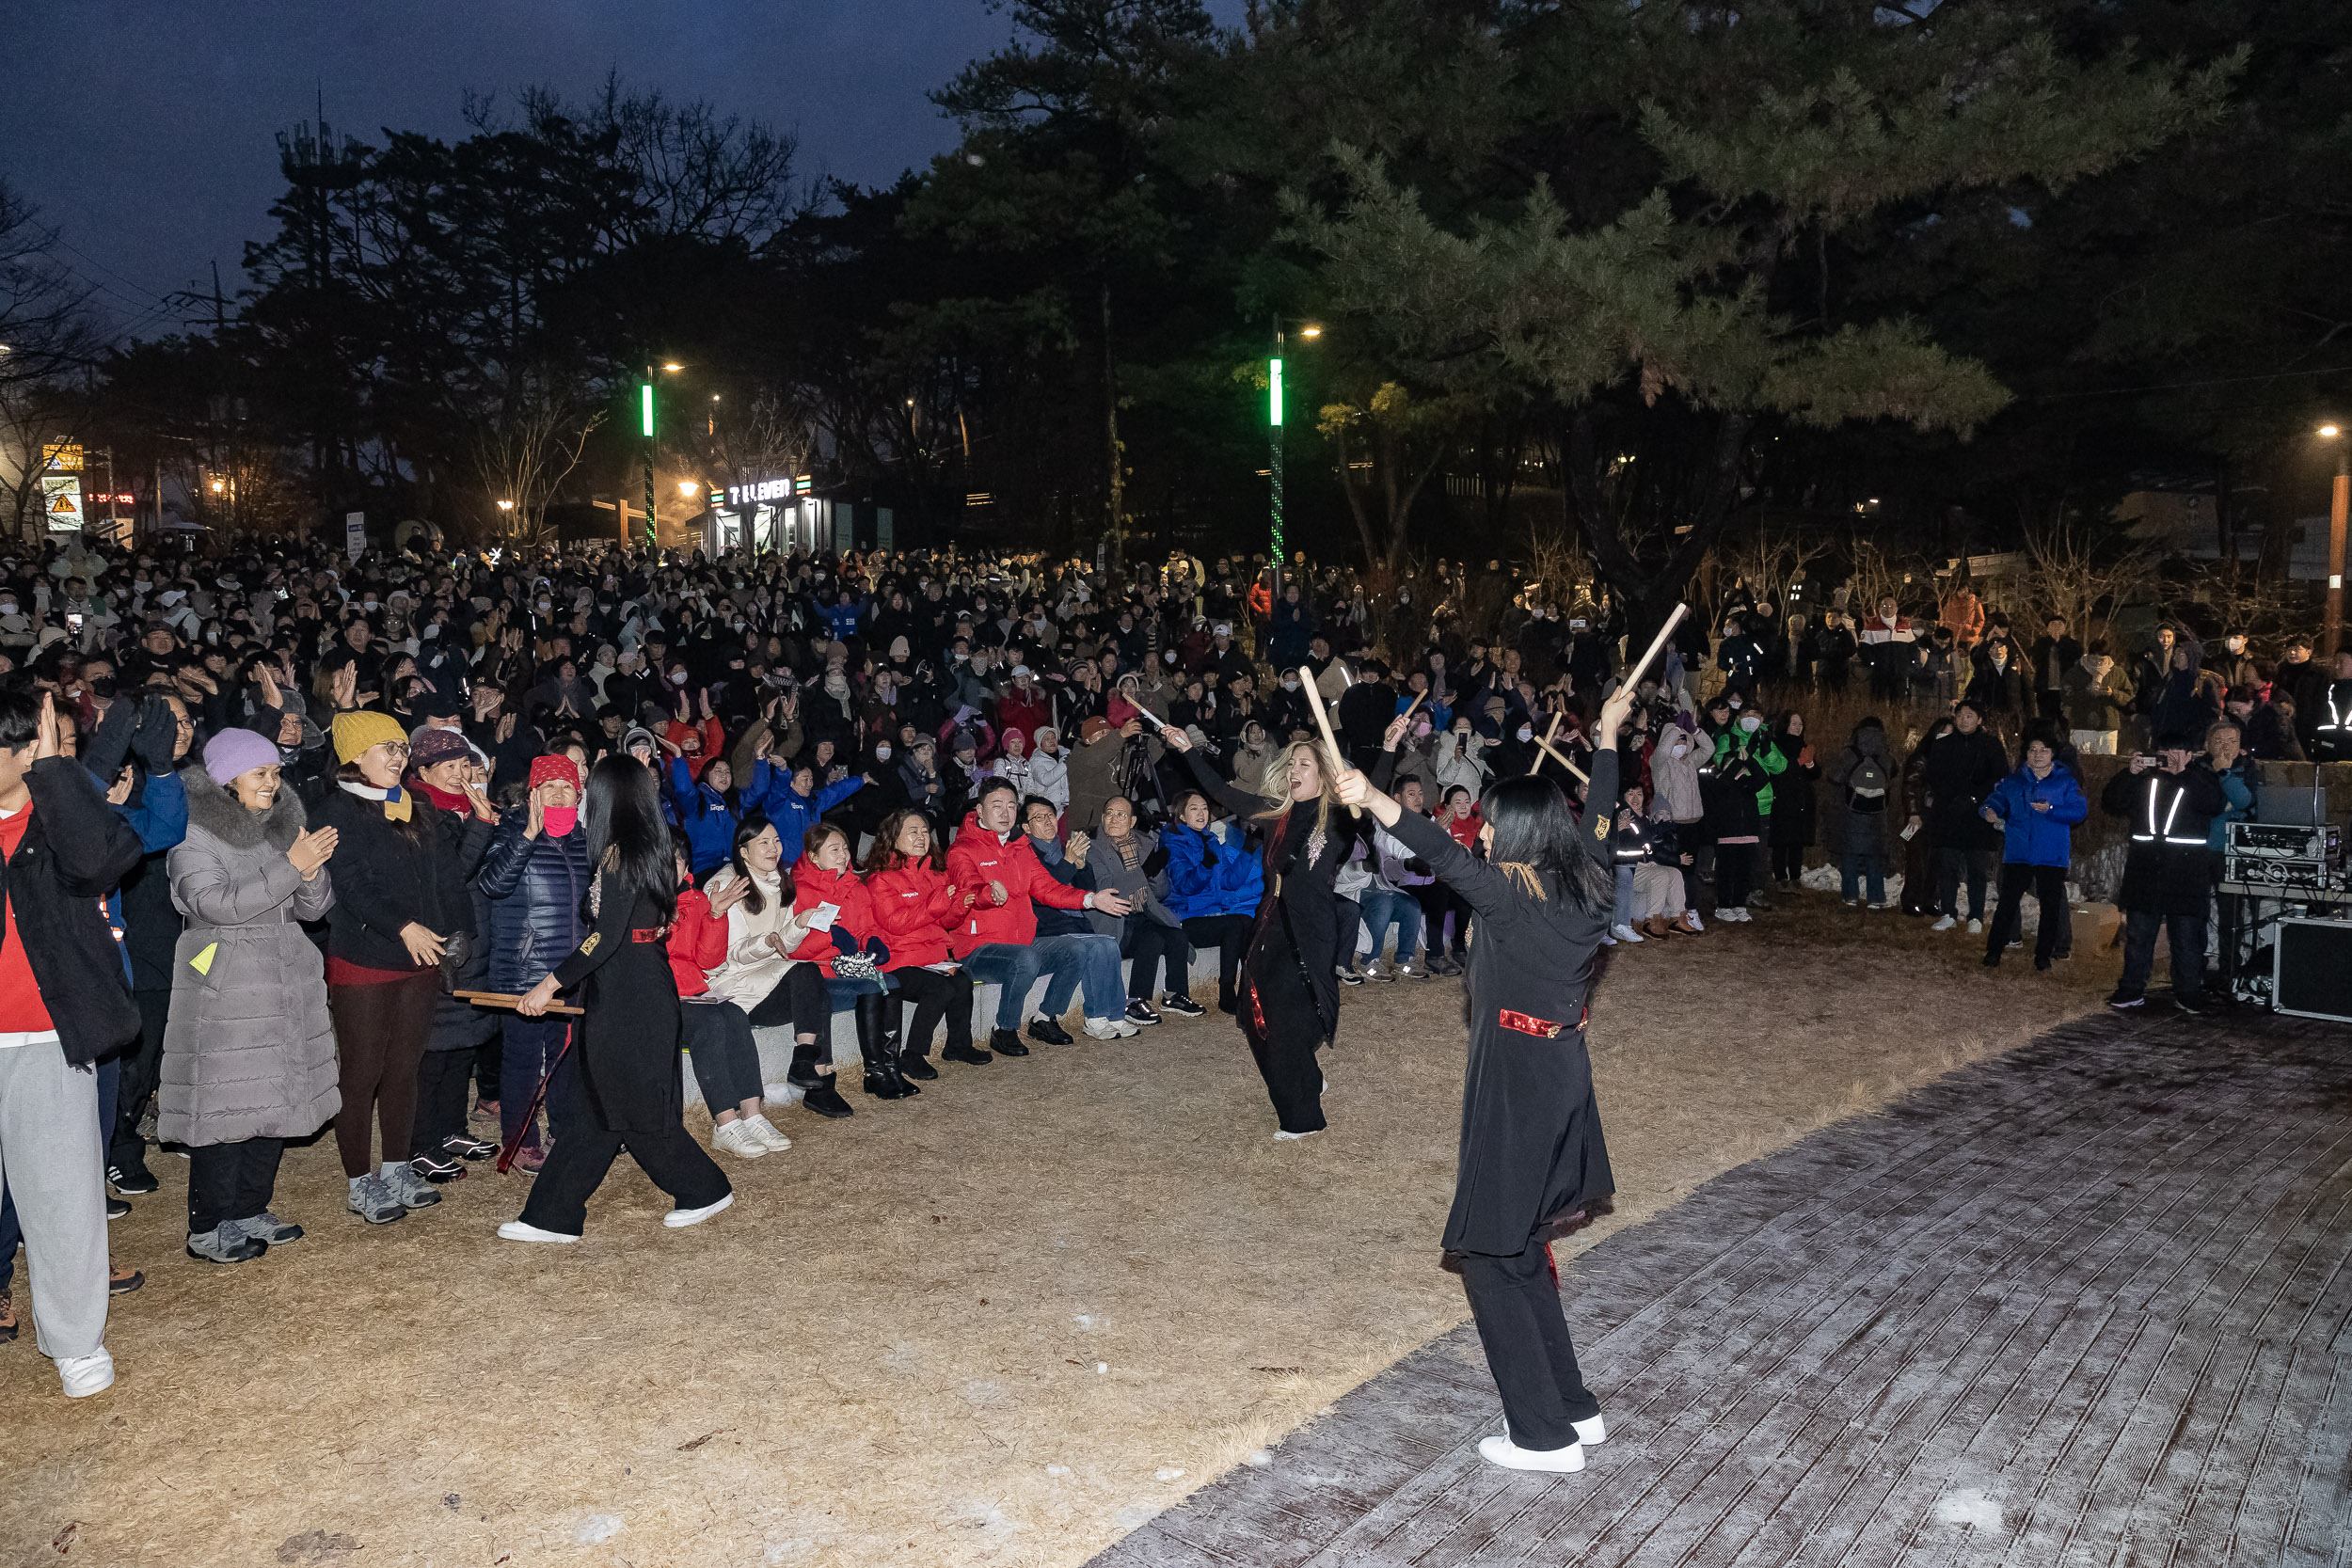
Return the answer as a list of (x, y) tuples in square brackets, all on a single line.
[(2090, 1303)]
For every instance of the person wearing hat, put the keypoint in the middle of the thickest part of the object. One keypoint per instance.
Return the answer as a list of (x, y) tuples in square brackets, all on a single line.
[(535, 880), (2167, 807), (248, 1057), (1962, 770), (446, 772), (400, 903)]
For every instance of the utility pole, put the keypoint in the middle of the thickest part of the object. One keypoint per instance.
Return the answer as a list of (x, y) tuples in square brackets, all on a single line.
[(644, 412), (2331, 624), (1274, 469)]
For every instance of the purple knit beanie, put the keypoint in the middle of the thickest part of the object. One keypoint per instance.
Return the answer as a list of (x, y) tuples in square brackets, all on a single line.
[(234, 751)]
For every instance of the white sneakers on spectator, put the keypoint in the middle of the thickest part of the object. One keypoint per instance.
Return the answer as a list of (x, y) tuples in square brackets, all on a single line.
[(1407, 970), (1592, 1433), (765, 1131), (737, 1138), (1976, 927), (1623, 932), (1499, 1449), (1110, 1028), (516, 1231), (85, 1375), (679, 1219), (1944, 923)]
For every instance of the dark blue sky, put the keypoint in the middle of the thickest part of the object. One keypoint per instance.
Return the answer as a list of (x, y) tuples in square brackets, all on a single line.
[(142, 128)]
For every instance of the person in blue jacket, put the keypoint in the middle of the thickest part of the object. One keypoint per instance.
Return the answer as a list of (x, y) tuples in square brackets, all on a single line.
[(700, 809), (2036, 809), (786, 794), (534, 877), (2225, 758), (1214, 887)]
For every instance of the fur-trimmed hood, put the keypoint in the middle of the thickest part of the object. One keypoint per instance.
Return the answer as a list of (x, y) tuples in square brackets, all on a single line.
[(217, 811)]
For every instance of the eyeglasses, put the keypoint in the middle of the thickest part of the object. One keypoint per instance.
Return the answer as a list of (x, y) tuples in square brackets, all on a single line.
[(394, 748)]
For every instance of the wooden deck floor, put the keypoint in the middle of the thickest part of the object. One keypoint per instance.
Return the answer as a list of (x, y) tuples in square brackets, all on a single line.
[(2088, 1303)]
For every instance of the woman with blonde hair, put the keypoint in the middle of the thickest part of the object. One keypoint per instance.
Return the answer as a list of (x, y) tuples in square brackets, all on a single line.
[(1290, 994)]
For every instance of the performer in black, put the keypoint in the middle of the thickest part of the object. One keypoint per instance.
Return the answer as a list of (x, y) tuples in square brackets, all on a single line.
[(1289, 991), (1532, 1150), (629, 1089)]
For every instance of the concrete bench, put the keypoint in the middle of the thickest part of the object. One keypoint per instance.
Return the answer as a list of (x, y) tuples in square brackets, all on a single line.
[(775, 1044)]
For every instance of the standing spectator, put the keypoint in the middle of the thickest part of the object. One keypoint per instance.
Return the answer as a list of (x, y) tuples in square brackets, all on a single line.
[(449, 776), (2299, 677), (1963, 769), (2331, 729), (63, 1004), (534, 877), (400, 904), (2036, 809), (2053, 654), (2226, 759), (1963, 618), (2095, 699), (1865, 772), (1995, 679), (2167, 807), (1796, 812), (249, 1053), (1888, 643)]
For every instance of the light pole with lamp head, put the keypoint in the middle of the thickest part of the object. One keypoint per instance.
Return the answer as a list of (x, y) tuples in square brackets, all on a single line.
[(1274, 469), (2332, 622)]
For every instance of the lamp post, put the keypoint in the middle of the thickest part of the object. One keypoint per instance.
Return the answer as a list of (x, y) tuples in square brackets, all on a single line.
[(2331, 624), (1274, 427)]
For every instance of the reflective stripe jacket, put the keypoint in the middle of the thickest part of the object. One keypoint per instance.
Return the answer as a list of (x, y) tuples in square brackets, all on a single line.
[(2167, 815)]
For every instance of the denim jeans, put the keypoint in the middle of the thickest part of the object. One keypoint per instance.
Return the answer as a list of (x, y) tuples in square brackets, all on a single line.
[(1070, 960), (1384, 907), (1857, 865), (1622, 913)]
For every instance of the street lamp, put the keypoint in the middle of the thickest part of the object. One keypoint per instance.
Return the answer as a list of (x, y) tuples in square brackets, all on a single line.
[(1274, 428), (2331, 622), (687, 486)]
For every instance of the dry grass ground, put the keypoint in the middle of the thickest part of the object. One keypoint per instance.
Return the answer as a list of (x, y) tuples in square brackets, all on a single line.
[(999, 1324)]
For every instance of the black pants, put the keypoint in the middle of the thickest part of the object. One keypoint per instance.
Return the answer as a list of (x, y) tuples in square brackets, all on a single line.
[(1787, 861), (1283, 1024), (576, 1167), (1735, 871), (1152, 946), (1516, 1303), (1350, 922), (1437, 901), (141, 1066), (718, 1040), (1230, 935), (801, 1000), (935, 996), (231, 1181), (2049, 891), (442, 1079), (1953, 865)]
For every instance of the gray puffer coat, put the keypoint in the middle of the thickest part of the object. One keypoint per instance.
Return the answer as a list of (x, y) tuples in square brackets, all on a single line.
[(248, 1050)]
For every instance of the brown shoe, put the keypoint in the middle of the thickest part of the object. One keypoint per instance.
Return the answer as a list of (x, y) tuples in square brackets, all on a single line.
[(121, 1281), (1654, 927), (7, 1318)]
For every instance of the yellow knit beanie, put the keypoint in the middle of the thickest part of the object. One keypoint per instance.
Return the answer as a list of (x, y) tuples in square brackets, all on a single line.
[(357, 730)]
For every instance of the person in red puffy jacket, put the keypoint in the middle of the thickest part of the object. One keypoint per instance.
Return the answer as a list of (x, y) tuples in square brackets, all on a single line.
[(716, 1032), (824, 879), (914, 903), (995, 937)]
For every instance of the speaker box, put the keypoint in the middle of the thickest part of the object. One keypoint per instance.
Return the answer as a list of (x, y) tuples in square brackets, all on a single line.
[(2311, 973)]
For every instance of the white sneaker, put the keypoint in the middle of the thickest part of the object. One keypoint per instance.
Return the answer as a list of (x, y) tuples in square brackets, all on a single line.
[(1976, 927), (1945, 923), (1110, 1028), (1722, 913), (779, 1094), (1626, 933), (1374, 971), (1696, 924), (85, 1375), (1741, 914), (1851, 903), (1589, 1434), (1499, 1449), (765, 1131), (516, 1231), (679, 1219), (1285, 1137), (737, 1138)]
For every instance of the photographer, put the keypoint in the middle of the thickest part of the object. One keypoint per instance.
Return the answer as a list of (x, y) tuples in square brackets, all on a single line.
[(2169, 807)]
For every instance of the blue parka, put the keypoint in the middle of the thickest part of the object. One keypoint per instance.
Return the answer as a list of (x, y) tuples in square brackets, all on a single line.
[(792, 813), (1206, 877), (702, 813), (537, 890), (2030, 837)]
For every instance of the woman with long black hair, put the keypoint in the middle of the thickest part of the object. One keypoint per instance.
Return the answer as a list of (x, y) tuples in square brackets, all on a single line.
[(1290, 993), (628, 1037), (1531, 1153)]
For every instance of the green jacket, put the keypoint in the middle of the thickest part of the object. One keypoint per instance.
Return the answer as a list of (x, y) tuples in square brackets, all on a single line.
[(1761, 751)]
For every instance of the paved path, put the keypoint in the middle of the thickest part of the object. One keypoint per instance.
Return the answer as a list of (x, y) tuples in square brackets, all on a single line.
[(2090, 1303)]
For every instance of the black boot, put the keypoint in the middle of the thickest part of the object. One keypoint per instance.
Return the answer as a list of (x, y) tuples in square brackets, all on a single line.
[(817, 1088), (1006, 1043), (873, 1044), (913, 1064)]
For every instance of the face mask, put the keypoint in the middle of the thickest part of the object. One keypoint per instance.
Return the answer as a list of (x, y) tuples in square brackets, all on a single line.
[(1750, 722), (1525, 733), (1290, 686), (678, 679), (882, 754), (560, 820)]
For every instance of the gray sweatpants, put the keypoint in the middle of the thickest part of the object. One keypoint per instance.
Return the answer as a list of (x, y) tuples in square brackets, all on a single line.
[(51, 1163)]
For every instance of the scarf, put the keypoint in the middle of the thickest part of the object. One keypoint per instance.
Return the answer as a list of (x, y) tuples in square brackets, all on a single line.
[(397, 806), (444, 800)]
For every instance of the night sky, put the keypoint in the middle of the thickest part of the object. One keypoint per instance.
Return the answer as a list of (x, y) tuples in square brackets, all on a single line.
[(142, 128)]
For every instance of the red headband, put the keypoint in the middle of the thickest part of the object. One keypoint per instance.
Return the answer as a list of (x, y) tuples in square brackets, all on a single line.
[(554, 769)]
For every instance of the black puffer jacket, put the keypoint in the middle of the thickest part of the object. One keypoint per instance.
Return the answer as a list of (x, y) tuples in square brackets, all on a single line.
[(388, 874), (76, 850), (537, 890)]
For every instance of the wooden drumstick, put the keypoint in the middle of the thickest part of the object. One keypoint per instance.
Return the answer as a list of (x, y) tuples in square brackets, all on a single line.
[(1658, 643), (1323, 722), (1543, 747)]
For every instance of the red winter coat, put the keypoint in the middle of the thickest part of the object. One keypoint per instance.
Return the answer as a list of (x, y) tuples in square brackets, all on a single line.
[(976, 860), (1016, 712), (913, 905), (711, 732), (815, 885), (697, 942)]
